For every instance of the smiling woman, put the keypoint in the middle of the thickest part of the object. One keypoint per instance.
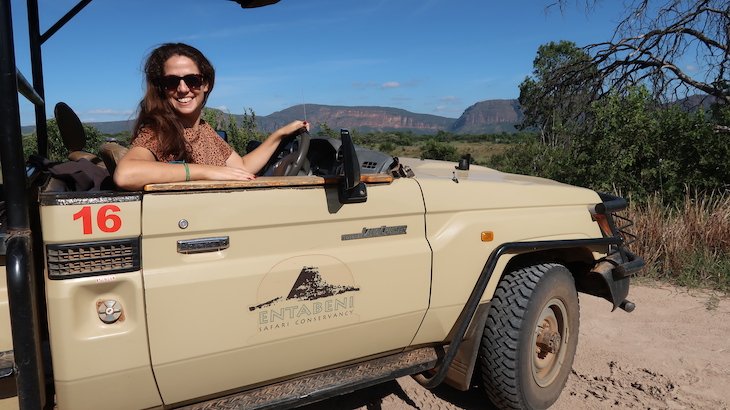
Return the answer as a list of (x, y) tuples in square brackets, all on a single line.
[(171, 142)]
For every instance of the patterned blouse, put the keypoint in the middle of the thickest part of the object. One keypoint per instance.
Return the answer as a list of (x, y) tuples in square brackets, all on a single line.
[(206, 146)]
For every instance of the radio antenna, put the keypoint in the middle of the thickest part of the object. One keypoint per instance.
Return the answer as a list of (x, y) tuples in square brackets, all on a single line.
[(304, 106)]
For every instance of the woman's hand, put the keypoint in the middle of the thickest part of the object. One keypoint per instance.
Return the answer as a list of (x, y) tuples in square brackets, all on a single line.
[(213, 173), (293, 128), (256, 159)]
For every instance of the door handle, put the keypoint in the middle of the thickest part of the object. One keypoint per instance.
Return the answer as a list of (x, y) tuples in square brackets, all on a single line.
[(201, 245)]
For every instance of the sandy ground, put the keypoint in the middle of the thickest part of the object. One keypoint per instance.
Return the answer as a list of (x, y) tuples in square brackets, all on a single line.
[(672, 352)]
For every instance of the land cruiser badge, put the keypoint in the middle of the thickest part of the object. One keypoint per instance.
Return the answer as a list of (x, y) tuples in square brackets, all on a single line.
[(375, 232)]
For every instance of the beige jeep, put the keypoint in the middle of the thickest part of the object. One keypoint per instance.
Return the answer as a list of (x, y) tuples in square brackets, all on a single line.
[(350, 269), (287, 290)]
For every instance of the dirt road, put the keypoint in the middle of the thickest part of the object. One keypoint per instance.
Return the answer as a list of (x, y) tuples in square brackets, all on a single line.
[(672, 352)]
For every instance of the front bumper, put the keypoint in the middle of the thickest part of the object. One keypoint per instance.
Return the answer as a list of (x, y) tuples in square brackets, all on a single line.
[(619, 264)]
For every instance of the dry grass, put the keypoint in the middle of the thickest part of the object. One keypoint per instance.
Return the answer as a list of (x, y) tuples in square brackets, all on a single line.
[(481, 152), (688, 244)]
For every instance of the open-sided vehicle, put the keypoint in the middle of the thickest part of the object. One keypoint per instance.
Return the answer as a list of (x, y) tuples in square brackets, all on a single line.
[(344, 268)]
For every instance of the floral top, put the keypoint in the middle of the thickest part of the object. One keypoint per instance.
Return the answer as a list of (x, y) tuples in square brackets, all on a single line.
[(205, 145)]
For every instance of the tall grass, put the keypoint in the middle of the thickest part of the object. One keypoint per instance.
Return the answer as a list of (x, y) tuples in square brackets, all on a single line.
[(686, 244)]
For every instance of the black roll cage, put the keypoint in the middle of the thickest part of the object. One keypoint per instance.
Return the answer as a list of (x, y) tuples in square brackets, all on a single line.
[(22, 289)]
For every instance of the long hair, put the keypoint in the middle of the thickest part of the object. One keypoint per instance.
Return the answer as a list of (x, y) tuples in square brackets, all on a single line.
[(155, 111)]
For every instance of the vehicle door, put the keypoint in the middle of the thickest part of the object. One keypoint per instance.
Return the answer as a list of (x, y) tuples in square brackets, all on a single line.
[(247, 285)]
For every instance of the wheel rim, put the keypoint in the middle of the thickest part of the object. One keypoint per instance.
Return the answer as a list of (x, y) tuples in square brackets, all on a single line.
[(549, 341)]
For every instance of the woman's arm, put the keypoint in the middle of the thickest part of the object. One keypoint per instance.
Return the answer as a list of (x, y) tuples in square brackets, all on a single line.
[(256, 159), (138, 168)]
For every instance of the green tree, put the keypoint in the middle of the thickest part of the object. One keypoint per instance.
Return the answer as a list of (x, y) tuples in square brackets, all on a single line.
[(532, 157), (635, 147), (213, 117), (622, 150), (554, 98), (239, 132), (239, 135), (325, 131), (57, 152), (668, 150)]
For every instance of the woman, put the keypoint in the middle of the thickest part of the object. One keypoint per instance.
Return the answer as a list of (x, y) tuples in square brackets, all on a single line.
[(171, 142)]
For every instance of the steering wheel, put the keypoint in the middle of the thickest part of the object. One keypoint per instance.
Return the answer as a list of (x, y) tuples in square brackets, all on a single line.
[(292, 162)]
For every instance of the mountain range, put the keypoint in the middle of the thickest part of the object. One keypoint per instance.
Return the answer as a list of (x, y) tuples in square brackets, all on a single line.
[(484, 117)]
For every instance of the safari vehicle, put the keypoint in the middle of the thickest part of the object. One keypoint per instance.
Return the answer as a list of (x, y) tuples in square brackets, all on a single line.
[(342, 269)]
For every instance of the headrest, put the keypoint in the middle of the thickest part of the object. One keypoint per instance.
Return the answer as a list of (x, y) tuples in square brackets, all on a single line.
[(70, 127)]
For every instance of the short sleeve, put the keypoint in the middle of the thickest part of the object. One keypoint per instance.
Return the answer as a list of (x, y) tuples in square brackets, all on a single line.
[(146, 138)]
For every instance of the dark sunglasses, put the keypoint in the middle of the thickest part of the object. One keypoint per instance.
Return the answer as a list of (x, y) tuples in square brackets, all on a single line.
[(170, 82)]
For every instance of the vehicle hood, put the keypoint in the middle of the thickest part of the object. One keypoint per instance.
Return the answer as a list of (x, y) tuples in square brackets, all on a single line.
[(446, 188)]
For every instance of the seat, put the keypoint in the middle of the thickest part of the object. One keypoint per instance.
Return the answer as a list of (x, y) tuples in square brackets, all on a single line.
[(73, 134), (111, 152)]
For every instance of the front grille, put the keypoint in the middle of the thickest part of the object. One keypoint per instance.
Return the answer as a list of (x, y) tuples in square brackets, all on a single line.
[(92, 258)]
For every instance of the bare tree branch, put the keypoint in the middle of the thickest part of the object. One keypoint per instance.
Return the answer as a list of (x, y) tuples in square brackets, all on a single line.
[(679, 47)]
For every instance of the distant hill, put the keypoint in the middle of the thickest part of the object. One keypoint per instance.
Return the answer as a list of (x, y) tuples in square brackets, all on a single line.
[(113, 127), (361, 118), (484, 117), (694, 102), (491, 116)]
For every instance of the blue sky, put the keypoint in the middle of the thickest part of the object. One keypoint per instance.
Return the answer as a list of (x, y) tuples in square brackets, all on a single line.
[(426, 56)]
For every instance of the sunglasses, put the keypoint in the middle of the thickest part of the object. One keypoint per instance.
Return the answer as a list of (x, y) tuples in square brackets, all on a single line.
[(170, 82)]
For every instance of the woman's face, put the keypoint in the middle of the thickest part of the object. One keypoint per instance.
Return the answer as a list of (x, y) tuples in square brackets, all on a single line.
[(186, 99)]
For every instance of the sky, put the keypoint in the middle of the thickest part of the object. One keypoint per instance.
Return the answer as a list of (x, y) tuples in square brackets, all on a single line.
[(426, 56)]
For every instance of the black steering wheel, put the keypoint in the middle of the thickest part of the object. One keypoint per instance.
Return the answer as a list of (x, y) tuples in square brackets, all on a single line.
[(294, 155)]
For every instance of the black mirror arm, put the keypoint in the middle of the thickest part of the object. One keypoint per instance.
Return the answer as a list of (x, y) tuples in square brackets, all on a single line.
[(351, 190)]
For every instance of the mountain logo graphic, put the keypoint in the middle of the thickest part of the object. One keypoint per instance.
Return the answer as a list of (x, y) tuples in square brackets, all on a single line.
[(308, 286)]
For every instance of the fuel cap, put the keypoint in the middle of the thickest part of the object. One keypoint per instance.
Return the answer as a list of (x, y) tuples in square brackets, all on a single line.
[(109, 311)]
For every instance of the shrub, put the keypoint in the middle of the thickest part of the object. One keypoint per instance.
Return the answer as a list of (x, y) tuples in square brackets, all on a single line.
[(439, 150)]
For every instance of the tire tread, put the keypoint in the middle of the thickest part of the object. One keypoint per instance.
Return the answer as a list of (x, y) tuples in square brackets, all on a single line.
[(500, 341)]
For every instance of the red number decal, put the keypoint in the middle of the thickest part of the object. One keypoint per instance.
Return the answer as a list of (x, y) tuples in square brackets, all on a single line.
[(106, 219), (108, 222), (85, 214)]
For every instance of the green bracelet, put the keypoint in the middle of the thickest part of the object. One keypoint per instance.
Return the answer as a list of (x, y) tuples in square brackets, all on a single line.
[(187, 171)]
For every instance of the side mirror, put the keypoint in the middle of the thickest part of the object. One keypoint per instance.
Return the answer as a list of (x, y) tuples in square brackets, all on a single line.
[(222, 134), (351, 189)]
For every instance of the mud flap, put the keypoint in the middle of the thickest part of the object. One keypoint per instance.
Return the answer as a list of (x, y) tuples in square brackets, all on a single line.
[(616, 274)]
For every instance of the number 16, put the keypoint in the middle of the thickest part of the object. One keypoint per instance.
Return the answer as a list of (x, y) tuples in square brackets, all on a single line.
[(106, 219)]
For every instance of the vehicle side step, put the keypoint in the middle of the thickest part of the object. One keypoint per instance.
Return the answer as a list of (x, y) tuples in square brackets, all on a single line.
[(7, 364), (329, 383)]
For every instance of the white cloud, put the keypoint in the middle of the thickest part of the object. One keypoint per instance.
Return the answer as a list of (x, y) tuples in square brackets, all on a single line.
[(386, 85), (390, 84), (109, 112)]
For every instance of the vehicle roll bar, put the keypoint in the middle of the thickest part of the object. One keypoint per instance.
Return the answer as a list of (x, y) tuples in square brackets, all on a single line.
[(19, 264), (27, 90)]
